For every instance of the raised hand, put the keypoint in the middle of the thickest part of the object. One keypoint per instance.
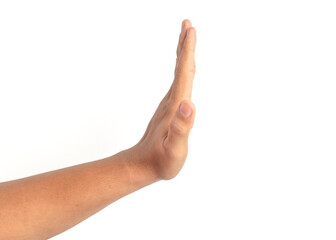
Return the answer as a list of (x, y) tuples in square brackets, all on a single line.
[(164, 146), (44, 205)]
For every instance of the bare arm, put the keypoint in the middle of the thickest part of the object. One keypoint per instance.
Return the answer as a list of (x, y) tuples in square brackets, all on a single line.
[(44, 205)]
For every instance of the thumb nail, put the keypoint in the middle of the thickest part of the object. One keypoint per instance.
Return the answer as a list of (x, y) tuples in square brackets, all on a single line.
[(185, 109)]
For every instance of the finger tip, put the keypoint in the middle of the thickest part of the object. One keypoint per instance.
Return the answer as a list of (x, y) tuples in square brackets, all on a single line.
[(191, 35), (186, 23), (192, 31), (189, 103), (193, 106)]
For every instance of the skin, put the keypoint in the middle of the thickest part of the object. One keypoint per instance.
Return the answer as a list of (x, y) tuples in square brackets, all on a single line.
[(44, 205)]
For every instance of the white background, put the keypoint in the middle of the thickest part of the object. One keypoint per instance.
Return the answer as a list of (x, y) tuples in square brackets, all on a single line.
[(80, 80)]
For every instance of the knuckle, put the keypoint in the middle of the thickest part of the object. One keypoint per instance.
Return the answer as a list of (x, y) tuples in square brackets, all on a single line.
[(192, 68), (185, 68), (179, 128)]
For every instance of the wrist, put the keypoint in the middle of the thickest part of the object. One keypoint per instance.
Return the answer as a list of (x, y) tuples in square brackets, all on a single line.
[(140, 167)]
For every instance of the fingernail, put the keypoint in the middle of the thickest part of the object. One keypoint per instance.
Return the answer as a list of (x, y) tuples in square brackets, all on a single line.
[(185, 110)]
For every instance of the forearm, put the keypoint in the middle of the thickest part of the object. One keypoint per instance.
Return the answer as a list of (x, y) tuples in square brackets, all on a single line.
[(47, 204)]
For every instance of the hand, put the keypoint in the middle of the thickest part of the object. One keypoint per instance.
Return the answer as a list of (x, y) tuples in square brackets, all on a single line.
[(164, 146), (72, 194)]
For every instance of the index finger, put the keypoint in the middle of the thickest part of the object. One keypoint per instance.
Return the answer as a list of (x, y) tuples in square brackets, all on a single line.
[(185, 68)]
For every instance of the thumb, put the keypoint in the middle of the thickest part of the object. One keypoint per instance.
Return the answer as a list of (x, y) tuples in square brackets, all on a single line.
[(181, 125)]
